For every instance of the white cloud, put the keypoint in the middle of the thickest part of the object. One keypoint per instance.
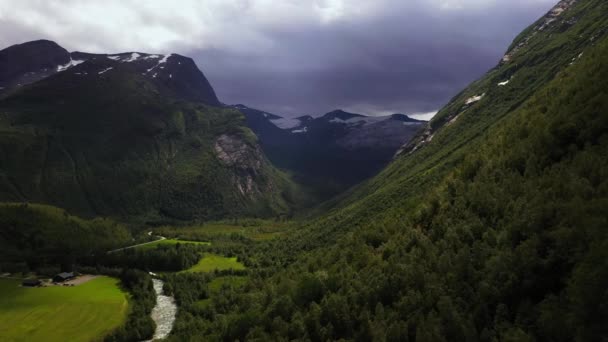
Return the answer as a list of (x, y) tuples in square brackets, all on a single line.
[(423, 116), (156, 26)]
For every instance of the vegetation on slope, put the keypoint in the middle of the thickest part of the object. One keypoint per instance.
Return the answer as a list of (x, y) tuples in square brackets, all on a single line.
[(116, 144), (34, 236), (494, 229)]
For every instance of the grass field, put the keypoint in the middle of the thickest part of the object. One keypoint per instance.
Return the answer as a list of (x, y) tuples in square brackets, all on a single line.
[(82, 313), (211, 262), (171, 242), (260, 231)]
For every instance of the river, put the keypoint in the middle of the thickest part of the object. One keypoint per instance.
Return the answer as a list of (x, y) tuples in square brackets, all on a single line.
[(164, 312)]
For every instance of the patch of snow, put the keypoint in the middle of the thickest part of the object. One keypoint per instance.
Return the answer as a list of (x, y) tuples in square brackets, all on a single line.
[(170, 75), (504, 83), (155, 74), (162, 61), (297, 131), (104, 70), (152, 57), (133, 58), (286, 123), (69, 65), (165, 58), (265, 115), (474, 99), (114, 58)]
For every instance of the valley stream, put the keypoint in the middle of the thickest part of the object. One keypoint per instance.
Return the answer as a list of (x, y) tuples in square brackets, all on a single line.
[(164, 312)]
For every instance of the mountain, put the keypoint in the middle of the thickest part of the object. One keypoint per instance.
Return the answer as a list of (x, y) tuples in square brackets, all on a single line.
[(128, 135), (29, 62), (489, 226), (176, 75), (332, 152)]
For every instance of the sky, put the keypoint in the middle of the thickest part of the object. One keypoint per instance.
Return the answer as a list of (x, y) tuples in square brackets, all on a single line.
[(296, 57)]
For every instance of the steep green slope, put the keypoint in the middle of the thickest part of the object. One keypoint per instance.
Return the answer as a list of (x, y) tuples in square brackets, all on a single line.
[(103, 139), (491, 226), (35, 236)]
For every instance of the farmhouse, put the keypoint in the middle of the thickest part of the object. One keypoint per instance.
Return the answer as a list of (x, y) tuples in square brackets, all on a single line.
[(31, 282), (61, 277)]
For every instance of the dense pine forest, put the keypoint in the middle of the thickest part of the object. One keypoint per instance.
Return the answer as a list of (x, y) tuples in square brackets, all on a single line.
[(489, 225), (510, 243)]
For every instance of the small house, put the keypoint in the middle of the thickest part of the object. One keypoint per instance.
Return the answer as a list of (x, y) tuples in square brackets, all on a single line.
[(31, 283), (64, 276)]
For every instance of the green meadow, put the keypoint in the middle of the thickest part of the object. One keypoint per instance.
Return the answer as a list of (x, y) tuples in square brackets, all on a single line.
[(212, 262), (82, 313), (257, 230), (171, 242)]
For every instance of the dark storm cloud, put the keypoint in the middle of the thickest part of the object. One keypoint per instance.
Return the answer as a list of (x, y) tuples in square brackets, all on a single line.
[(410, 61), (297, 57)]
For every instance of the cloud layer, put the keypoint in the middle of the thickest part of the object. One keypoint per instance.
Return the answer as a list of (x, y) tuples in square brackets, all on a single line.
[(297, 56)]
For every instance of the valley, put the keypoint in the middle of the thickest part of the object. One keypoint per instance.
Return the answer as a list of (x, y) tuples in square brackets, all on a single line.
[(193, 220)]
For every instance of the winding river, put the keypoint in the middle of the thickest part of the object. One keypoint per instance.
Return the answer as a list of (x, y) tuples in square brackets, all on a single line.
[(164, 311)]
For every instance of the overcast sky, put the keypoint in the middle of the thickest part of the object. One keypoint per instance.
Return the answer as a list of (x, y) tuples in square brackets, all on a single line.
[(297, 57)]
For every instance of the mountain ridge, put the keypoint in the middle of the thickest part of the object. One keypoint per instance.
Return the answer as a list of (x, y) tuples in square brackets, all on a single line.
[(127, 136), (179, 74), (334, 151)]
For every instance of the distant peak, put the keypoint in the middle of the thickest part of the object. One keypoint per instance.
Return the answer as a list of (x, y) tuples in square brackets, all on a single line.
[(404, 118), (340, 114)]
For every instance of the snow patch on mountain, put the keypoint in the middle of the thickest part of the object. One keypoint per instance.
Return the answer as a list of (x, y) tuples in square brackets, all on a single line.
[(105, 70), (133, 58), (162, 61), (69, 65), (298, 131), (474, 99), (286, 123)]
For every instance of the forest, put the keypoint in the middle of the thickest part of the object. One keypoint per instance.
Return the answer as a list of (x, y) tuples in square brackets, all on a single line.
[(490, 225)]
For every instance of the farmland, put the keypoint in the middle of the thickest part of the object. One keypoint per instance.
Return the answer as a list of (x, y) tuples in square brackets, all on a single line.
[(171, 242), (81, 313), (212, 262)]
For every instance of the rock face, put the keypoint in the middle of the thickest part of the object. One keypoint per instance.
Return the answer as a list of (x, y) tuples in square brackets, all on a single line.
[(234, 152), (29, 62), (244, 159)]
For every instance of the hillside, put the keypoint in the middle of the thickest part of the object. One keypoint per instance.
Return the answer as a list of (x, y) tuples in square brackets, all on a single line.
[(332, 152), (137, 137), (489, 226)]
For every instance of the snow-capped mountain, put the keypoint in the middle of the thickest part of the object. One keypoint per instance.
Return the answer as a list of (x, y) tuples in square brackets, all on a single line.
[(30, 62), (332, 151)]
